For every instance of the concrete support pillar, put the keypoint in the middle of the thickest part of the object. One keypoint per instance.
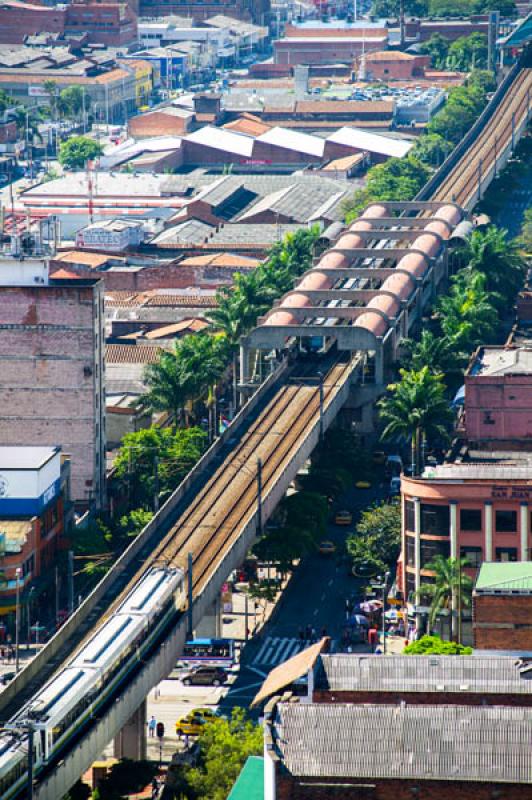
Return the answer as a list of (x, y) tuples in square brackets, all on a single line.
[(417, 554), (488, 531), (243, 370), (523, 530), (453, 536), (453, 529), (379, 366), (131, 741), (209, 626)]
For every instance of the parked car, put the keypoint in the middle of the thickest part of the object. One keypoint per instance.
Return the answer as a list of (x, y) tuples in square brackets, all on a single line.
[(205, 676), (395, 486), (193, 722), (343, 518), (327, 548)]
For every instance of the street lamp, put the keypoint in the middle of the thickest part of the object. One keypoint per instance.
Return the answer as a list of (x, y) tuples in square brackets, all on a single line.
[(18, 573), (383, 586)]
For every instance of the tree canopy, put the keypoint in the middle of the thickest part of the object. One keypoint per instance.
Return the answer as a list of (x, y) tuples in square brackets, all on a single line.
[(396, 179), (76, 151), (377, 538), (434, 646), (224, 746)]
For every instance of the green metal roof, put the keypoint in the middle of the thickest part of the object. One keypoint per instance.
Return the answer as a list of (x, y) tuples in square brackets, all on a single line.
[(250, 783), (522, 34), (501, 575)]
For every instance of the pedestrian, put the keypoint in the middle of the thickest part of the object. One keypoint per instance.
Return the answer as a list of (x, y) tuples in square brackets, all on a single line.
[(186, 741), (152, 725)]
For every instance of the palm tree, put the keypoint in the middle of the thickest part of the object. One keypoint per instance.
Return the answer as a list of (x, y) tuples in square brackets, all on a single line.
[(491, 253), (451, 589), (434, 352), (166, 390), (202, 360), (416, 407), (467, 315)]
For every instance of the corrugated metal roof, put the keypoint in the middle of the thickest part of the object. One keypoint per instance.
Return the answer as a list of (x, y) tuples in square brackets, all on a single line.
[(293, 140), (486, 744), (373, 142), (223, 139), (132, 353), (504, 576), (472, 674), (289, 671)]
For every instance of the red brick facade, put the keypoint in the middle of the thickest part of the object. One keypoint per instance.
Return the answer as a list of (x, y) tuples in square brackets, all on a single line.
[(502, 621), (290, 788), (18, 20)]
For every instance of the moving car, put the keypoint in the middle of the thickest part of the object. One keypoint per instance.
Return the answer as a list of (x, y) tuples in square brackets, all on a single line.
[(205, 676), (362, 485), (343, 518), (193, 722), (327, 548)]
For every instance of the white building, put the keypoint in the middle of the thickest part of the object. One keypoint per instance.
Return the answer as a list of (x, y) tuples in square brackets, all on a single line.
[(114, 234)]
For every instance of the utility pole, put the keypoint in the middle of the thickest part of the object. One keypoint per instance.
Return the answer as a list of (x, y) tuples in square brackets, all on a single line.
[(18, 573), (320, 377), (190, 595), (156, 484), (259, 497), (70, 581)]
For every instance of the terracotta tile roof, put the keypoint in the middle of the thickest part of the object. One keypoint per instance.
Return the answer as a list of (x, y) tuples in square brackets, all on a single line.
[(291, 32), (186, 325), (221, 260), (252, 127), (93, 260), (63, 274), (389, 55), (192, 300), (123, 298), (112, 75), (344, 106), (132, 353)]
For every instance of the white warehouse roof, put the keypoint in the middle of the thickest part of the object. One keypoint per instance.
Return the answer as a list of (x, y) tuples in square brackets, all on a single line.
[(223, 139), (373, 142), (294, 140)]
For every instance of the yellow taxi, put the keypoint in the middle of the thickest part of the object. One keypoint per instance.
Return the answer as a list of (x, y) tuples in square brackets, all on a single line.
[(327, 548), (192, 724)]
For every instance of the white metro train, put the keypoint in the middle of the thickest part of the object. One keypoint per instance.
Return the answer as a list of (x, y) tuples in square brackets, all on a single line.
[(71, 698)]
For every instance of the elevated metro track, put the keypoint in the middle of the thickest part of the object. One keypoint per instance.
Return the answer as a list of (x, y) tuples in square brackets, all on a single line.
[(213, 515)]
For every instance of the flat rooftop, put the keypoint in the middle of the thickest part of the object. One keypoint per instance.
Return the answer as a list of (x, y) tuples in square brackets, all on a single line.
[(502, 361), (25, 457), (485, 465)]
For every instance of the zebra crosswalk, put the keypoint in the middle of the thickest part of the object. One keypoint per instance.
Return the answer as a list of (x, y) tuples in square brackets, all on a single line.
[(276, 649)]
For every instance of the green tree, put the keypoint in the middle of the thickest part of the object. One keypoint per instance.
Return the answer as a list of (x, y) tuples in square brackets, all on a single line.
[(434, 646), (73, 101), (464, 104), (437, 48), (157, 455), (224, 746), (80, 791), (6, 101), (125, 778), (432, 149), (467, 315), (491, 253), (397, 179), (377, 538), (468, 52), (50, 86), (166, 389), (525, 237), (391, 8), (416, 407), (436, 352), (452, 588), (76, 151)]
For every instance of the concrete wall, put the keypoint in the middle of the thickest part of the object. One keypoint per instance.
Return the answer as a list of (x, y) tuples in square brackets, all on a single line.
[(502, 621)]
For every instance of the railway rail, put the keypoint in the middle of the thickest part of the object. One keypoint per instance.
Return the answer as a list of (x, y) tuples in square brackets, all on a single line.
[(214, 519)]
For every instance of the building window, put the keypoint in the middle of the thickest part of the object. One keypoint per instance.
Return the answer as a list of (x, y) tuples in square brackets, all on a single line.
[(430, 548), (435, 520), (410, 551), (506, 521), (470, 519), (473, 555), (506, 553), (410, 515)]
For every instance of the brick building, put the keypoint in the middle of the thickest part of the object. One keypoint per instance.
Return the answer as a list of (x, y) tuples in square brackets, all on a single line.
[(396, 727), (34, 518), (52, 370), (502, 607), (327, 45), (105, 23), (498, 397), (168, 121), (420, 30), (391, 65), (252, 10)]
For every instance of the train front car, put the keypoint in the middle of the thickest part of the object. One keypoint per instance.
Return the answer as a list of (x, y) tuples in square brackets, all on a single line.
[(13, 764)]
